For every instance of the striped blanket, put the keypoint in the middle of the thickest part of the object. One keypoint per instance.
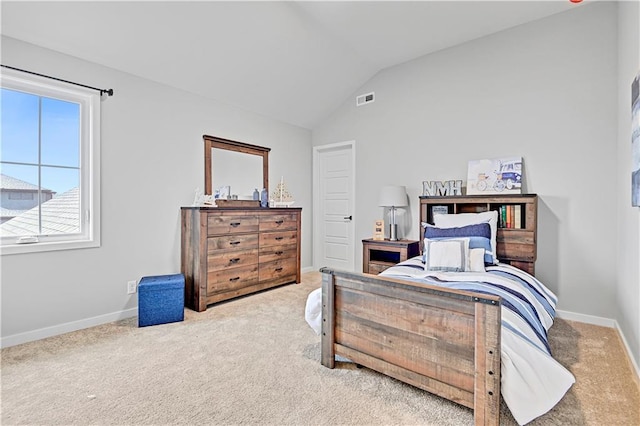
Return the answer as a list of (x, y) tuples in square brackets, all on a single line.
[(532, 381)]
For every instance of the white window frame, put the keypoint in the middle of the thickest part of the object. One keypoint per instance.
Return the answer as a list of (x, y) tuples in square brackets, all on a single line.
[(89, 101)]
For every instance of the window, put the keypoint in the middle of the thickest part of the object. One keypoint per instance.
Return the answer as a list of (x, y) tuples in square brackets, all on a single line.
[(49, 163), (17, 195)]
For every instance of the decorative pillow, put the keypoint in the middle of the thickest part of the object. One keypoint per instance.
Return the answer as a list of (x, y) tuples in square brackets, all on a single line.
[(475, 230), (464, 219), (485, 245), (446, 255), (475, 256), (476, 260), (479, 236)]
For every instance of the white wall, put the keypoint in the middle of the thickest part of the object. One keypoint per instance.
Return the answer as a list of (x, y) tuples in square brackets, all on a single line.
[(546, 91), (628, 259), (152, 162)]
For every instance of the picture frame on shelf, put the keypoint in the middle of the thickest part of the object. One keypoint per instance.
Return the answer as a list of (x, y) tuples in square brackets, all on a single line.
[(439, 210), (378, 230), (495, 176), (224, 192)]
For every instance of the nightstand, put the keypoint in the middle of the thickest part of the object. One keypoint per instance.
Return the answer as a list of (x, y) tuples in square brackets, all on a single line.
[(378, 255)]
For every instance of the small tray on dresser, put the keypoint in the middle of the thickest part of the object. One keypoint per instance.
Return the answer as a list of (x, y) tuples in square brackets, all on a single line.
[(237, 203)]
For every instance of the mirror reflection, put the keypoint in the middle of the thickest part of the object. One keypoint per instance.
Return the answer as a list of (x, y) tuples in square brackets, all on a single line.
[(240, 171)]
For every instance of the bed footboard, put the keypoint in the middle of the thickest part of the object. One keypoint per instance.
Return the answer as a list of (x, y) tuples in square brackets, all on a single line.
[(446, 342)]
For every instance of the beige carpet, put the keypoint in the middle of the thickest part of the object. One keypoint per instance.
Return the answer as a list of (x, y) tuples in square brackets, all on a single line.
[(254, 360)]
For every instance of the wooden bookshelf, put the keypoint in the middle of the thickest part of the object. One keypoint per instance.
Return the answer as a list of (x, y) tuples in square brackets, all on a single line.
[(520, 243)]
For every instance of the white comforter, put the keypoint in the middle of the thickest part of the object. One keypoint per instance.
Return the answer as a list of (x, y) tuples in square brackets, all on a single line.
[(532, 382)]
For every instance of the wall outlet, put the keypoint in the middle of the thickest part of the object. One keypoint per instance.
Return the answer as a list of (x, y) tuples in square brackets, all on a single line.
[(132, 286)]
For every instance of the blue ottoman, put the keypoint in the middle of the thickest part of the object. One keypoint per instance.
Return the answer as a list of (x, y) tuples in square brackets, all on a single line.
[(160, 299)]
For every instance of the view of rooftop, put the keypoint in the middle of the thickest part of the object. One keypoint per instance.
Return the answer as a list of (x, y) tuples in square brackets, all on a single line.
[(23, 215)]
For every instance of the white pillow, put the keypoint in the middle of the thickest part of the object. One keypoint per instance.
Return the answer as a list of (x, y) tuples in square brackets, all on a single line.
[(464, 219), (475, 257), (446, 255), (476, 260)]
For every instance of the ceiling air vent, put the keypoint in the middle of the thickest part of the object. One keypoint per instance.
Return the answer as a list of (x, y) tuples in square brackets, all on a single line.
[(365, 99)]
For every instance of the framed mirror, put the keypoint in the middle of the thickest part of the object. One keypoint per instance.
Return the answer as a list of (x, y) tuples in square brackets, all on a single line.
[(240, 166)]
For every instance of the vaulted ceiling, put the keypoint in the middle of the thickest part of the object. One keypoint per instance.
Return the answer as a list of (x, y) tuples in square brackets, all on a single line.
[(291, 61)]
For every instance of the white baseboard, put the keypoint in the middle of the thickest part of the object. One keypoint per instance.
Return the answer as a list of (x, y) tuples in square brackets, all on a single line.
[(588, 319), (604, 322), (42, 333), (634, 364)]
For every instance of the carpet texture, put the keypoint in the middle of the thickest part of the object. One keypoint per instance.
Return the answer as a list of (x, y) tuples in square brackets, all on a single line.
[(254, 360)]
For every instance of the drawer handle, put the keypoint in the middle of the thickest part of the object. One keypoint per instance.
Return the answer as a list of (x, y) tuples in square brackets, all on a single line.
[(279, 253), (279, 238), (234, 279), (234, 260), (234, 224), (234, 243), (279, 222), (278, 269)]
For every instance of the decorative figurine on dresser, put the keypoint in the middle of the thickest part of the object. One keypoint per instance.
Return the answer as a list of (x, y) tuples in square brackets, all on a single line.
[(238, 247)]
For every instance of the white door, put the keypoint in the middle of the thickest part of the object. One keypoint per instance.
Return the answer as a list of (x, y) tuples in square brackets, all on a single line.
[(334, 205)]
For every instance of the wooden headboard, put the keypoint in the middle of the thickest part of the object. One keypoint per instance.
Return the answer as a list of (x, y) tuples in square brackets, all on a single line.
[(517, 222)]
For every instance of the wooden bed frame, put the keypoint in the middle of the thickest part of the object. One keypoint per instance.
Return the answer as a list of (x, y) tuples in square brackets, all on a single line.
[(444, 341)]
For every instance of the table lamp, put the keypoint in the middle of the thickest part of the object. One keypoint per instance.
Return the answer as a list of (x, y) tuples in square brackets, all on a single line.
[(393, 196)]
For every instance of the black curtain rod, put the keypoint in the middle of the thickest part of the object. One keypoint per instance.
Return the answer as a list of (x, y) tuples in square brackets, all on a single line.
[(102, 91)]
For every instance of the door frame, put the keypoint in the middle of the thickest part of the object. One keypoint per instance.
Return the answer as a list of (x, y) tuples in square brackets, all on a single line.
[(317, 151)]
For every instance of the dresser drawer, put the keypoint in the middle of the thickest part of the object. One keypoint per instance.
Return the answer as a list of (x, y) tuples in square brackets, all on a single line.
[(231, 279), (231, 259), (232, 242), (278, 270), (269, 254), (278, 222), (221, 224), (278, 238)]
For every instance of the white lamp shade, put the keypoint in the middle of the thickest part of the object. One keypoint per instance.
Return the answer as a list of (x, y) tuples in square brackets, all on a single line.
[(393, 196)]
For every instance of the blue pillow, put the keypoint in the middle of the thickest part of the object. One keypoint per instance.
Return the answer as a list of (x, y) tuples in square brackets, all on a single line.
[(479, 237), (477, 230)]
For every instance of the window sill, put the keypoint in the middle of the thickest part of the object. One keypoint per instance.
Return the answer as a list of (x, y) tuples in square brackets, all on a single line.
[(47, 246)]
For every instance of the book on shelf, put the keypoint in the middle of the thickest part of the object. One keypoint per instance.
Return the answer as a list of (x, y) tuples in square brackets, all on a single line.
[(510, 216), (517, 216), (503, 216)]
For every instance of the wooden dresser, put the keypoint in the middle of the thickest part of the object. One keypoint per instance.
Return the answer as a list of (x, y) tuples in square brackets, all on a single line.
[(230, 252)]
